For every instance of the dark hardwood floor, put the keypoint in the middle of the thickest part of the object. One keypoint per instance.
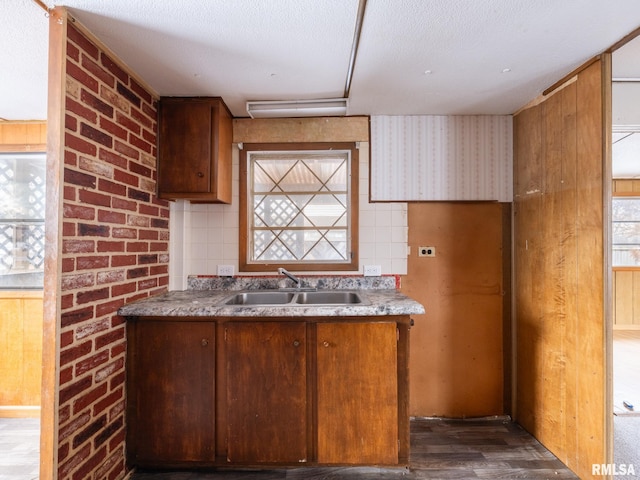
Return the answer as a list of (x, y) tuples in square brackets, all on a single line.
[(440, 449)]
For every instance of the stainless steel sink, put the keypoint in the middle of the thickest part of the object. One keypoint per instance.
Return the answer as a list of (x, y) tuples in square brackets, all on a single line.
[(293, 298), (261, 298), (328, 298)]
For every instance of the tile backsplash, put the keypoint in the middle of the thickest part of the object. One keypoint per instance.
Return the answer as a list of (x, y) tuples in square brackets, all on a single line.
[(204, 236)]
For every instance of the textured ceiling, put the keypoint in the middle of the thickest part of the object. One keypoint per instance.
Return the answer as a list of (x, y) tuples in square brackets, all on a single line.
[(415, 56)]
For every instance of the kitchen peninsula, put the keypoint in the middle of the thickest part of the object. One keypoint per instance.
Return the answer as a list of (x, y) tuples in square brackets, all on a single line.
[(249, 372)]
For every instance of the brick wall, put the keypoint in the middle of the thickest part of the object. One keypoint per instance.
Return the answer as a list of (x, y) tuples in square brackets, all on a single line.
[(115, 242)]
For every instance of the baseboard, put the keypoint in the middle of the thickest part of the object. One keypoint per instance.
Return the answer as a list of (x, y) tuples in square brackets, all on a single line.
[(17, 411)]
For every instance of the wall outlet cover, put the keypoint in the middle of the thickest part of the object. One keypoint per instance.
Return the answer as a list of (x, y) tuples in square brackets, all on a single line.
[(226, 270), (372, 270), (426, 251)]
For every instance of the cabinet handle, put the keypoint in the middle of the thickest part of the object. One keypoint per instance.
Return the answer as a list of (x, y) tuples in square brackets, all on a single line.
[(325, 344), (200, 174), (204, 342), (296, 343)]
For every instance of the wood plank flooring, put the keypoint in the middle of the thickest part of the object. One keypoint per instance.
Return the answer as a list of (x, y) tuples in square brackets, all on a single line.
[(440, 449), (626, 371)]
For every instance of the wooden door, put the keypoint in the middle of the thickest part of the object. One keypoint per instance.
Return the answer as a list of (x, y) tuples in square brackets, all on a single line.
[(266, 392), (171, 389), (357, 407)]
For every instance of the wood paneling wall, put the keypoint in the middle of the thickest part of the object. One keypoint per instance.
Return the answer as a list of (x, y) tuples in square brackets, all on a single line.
[(23, 136), (626, 280), (21, 353), (560, 182), (457, 359)]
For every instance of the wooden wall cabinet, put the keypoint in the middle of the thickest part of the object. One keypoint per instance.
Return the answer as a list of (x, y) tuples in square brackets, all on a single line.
[(294, 391), (194, 149)]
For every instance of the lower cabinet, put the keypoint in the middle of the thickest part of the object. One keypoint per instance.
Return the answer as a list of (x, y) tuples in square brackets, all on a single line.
[(266, 392), (271, 391), (170, 392), (357, 393)]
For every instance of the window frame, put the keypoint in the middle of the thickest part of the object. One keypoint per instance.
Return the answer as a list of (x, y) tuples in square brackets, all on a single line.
[(622, 196), (245, 265)]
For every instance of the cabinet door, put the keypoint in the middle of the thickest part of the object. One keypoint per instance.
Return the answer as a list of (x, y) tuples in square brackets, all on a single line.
[(194, 149), (357, 393), (171, 395), (266, 392)]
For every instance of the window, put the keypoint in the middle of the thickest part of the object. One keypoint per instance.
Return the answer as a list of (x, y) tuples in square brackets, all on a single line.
[(22, 204), (299, 206), (626, 231)]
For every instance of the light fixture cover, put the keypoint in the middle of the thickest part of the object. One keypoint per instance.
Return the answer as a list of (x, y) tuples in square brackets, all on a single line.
[(297, 108)]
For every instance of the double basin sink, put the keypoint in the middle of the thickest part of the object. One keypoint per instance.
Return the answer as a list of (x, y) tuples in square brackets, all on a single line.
[(293, 298)]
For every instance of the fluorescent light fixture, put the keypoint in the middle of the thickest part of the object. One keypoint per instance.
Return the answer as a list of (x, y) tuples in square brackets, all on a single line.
[(297, 108)]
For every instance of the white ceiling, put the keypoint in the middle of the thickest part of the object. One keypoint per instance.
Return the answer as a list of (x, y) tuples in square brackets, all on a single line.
[(299, 49)]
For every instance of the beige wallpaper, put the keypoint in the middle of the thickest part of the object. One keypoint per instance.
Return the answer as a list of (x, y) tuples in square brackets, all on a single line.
[(429, 157)]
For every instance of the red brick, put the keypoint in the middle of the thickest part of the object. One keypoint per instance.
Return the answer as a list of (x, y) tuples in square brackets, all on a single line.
[(90, 230), (160, 223), (158, 247), (94, 198), (138, 272), (127, 123), (106, 186), (116, 350), (78, 144), (123, 204), (67, 356), (70, 123), (66, 375), (137, 246), (126, 150), (140, 169), (108, 401), (109, 307), (114, 68), (67, 301), (65, 469), (97, 71), (138, 221), (94, 102), (69, 193), (110, 246), (141, 91), (90, 363), (130, 233), (83, 42), (96, 135), (82, 76), (109, 370), (159, 270), (109, 126), (79, 178), (112, 336), (87, 263), (128, 94), (147, 284), (78, 211), (123, 260), (68, 265), (125, 177), (79, 109), (73, 51), (149, 111), (66, 338), (78, 246), (140, 143), (92, 295), (149, 136), (113, 158), (138, 195), (148, 235), (74, 425), (68, 229), (142, 118), (110, 276), (109, 216), (76, 316), (119, 290)]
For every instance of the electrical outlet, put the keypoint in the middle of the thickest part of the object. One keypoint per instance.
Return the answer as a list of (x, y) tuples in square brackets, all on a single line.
[(226, 270), (426, 251), (372, 270)]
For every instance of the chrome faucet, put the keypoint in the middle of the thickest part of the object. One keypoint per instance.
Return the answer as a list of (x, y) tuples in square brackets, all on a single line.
[(291, 276)]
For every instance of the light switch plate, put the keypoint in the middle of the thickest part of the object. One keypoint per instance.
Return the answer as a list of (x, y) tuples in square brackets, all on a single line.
[(372, 270), (226, 270)]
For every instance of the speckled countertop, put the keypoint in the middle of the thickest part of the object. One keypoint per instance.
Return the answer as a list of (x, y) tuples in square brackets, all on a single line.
[(206, 297)]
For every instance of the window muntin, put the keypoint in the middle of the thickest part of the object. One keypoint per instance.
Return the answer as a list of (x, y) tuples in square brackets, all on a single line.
[(626, 232), (299, 206), (22, 207)]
